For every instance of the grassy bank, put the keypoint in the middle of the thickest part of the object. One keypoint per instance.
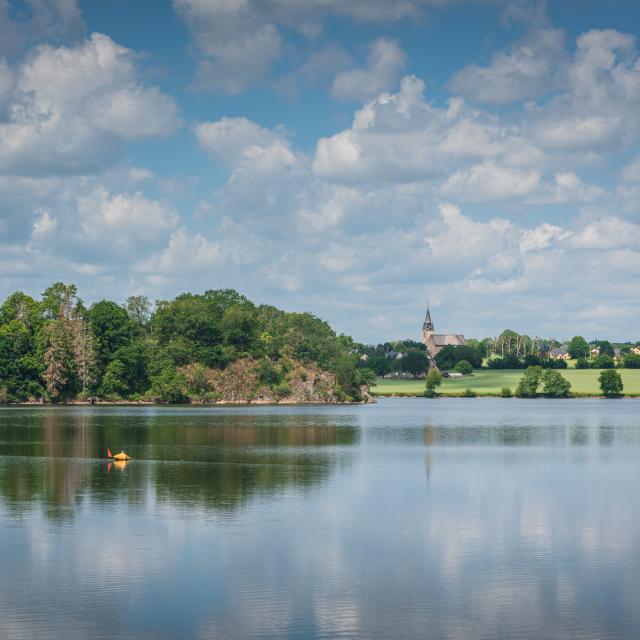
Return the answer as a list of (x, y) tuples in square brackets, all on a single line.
[(583, 382)]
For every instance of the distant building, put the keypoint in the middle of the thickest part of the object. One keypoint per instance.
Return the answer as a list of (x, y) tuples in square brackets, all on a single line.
[(560, 353), (436, 341)]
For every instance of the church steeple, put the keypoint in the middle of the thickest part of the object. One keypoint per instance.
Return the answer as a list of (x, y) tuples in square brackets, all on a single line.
[(428, 324)]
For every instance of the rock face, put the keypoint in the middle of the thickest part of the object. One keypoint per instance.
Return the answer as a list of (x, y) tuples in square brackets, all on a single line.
[(244, 381)]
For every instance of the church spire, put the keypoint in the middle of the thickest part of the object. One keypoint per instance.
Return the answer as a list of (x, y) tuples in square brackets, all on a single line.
[(428, 324)]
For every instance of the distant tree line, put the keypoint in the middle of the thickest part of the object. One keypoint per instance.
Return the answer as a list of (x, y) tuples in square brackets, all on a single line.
[(509, 350), (57, 348)]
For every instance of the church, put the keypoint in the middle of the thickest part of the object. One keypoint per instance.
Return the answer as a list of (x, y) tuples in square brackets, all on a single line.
[(436, 341)]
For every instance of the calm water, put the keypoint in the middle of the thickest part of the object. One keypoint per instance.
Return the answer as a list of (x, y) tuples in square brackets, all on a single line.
[(408, 519)]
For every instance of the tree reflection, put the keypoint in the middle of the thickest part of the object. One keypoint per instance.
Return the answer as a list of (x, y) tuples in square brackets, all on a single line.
[(55, 459)]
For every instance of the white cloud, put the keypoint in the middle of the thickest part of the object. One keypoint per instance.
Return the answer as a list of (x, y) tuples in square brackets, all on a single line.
[(237, 42), (490, 182), (235, 47), (531, 68), (44, 20), (385, 62), (238, 142), (184, 255), (320, 67), (608, 233), (72, 108), (598, 109), (125, 221), (6, 83)]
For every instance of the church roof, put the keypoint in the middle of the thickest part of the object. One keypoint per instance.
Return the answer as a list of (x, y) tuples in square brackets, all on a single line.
[(428, 324), (444, 339)]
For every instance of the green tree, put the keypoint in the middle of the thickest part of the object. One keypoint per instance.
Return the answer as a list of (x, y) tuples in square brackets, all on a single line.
[(579, 347), (449, 356), (434, 380), (23, 308), (60, 299), (113, 381), (631, 361), (464, 367), (414, 362), (139, 310), (20, 368), (529, 383), (554, 385), (610, 383), (605, 347), (168, 386), (112, 328), (60, 374)]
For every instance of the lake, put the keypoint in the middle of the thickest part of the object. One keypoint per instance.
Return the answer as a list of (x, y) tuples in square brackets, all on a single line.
[(411, 518)]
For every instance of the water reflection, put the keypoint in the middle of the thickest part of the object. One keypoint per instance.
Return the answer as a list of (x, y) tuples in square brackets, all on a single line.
[(57, 457), (447, 520)]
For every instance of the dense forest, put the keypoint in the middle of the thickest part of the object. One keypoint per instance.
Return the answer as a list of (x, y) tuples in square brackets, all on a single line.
[(217, 346)]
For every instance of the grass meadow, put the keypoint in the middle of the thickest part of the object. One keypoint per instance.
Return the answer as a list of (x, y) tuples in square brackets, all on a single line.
[(490, 382)]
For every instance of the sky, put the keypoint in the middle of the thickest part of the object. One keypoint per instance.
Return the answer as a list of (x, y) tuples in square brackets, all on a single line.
[(351, 158)]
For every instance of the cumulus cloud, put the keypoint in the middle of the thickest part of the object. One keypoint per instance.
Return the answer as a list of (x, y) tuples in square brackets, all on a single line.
[(123, 220), (71, 108), (531, 68), (490, 182), (237, 42), (597, 111), (386, 60), (235, 46), (184, 255), (238, 142), (50, 20), (320, 67), (374, 217)]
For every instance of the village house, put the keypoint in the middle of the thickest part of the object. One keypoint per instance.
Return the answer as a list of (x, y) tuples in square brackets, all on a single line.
[(560, 353)]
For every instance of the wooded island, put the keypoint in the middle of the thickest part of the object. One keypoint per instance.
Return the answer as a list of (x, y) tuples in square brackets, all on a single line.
[(214, 347)]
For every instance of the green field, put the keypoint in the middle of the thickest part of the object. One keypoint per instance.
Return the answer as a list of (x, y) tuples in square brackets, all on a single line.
[(583, 382)]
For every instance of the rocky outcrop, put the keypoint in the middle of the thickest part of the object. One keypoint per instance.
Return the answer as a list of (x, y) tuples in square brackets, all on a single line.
[(254, 381)]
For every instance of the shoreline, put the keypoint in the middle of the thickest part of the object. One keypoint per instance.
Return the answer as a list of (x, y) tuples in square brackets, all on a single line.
[(144, 403), (577, 396)]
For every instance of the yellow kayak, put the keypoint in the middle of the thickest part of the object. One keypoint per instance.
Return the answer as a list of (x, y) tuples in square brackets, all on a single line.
[(122, 457)]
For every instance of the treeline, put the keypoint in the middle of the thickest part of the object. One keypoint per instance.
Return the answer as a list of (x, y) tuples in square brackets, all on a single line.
[(57, 349), (400, 356)]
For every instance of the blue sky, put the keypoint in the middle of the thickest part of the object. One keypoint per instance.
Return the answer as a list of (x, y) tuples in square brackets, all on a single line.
[(351, 159)]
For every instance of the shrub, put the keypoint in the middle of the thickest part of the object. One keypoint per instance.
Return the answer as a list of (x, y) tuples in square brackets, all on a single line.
[(434, 379), (468, 393), (506, 392), (604, 362), (555, 364), (464, 367), (168, 386), (610, 383), (582, 363), (532, 360), (508, 362), (528, 385), (268, 374), (282, 390), (631, 361), (554, 385), (113, 383)]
